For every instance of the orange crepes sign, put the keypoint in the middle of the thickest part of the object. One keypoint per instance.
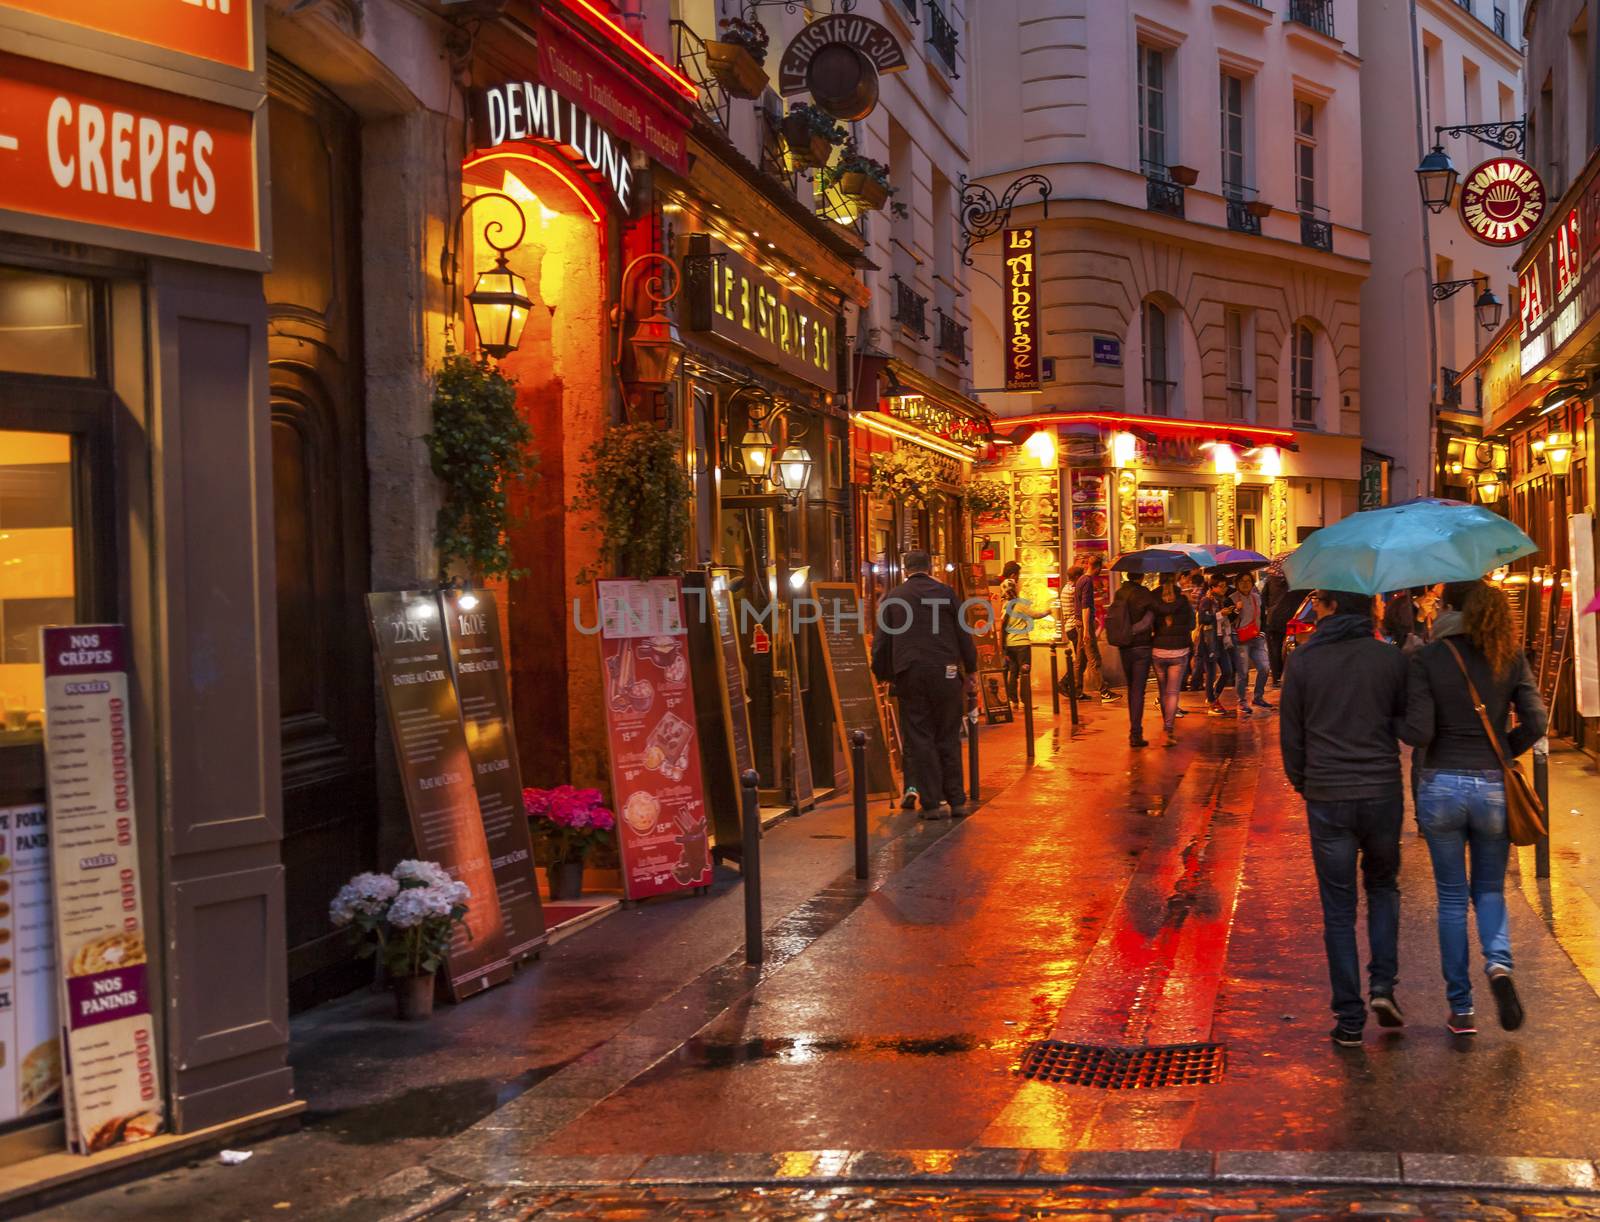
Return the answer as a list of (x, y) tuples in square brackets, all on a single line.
[(1022, 310), (217, 30), (81, 147)]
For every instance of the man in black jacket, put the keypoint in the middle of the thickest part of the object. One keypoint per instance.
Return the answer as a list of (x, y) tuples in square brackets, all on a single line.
[(922, 647), (1344, 697)]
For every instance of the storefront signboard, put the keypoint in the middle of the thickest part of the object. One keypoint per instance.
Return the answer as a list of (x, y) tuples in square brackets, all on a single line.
[(30, 1044), (1502, 201), (733, 299), (1558, 279), (1586, 664), (113, 1082), (841, 631), (437, 776), (218, 31), (871, 41), (1374, 488), (940, 419), (650, 727), (477, 660), (75, 146), (517, 111), (592, 81), (1021, 283)]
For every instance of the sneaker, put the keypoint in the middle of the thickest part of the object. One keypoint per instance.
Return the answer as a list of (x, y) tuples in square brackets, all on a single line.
[(1244, 711), (1183, 712), (1172, 739), (1462, 1024), (1262, 704), (1138, 742), (1107, 697), (909, 800), (1505, 997), (1388, 1010), (1346, 1037), (958, 812), (934, 812), (1215, 709)]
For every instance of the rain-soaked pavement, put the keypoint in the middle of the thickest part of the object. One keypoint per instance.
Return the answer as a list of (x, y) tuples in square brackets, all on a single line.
[(1102, 897)]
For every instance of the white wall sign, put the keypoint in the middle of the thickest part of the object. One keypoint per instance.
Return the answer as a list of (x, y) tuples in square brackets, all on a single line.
[(1586, 664), (523, 110), (30, 1048)]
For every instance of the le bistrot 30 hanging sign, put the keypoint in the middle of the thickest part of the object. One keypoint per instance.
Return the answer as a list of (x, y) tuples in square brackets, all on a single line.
[(1502, 201)]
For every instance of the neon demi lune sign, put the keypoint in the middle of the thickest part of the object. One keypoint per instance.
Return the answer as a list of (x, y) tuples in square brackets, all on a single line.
[(522, 110)]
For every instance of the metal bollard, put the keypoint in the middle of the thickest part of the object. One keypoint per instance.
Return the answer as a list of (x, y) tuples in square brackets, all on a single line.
[(858, 774), (1055, 682), (972, 756), (1027, 706), (750, 863), (1541, 786)]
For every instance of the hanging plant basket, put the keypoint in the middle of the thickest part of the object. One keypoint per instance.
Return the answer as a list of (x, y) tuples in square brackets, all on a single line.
[(736, 70), (807, 148), (906, 477), (863, 190)]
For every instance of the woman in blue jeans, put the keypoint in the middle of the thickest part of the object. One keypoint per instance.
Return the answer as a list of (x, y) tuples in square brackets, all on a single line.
[(1461, 800)]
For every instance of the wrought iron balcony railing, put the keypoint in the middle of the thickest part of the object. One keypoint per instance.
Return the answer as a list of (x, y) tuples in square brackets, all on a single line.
[(943, 38), (1313, 14), (952, 337), (1316, 232), (1161, 194), (692, 62), (910, 308), (910, 7), (1500, 23), (1241, 217)]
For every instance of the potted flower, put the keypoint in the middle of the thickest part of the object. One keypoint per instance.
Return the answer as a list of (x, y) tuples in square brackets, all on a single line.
[(810, 133), (985, 494), (1183, 175), (406, 917), (573, 822), (906, 476), (736, 59), (862, 180), (1258, 208)]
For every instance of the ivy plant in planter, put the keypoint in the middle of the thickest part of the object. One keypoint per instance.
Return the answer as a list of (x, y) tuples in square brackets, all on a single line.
[(906, 476), (736, 59), (862, 180), (479, 448), (810, 134), (634, 481)]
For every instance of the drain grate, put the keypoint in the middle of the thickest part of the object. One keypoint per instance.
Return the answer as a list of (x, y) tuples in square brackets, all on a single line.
[(1114, 1068)]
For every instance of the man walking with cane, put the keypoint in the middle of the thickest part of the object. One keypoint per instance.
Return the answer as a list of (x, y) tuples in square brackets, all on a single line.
[(921, 646)]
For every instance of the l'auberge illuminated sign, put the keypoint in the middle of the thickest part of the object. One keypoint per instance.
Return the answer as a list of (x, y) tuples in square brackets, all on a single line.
[(1022, 309)]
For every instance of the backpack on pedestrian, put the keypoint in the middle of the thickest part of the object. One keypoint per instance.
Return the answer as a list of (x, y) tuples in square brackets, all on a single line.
[(1119, 623)]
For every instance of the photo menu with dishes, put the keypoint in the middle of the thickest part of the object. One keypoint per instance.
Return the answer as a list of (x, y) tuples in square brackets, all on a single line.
[(1037, 531), (650, 727), (30, 1049)]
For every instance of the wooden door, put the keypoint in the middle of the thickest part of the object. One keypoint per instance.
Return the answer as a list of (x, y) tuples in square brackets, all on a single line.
[(320, 496)]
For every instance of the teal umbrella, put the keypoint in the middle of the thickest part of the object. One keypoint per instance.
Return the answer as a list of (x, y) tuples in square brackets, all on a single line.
[(1413, 544)]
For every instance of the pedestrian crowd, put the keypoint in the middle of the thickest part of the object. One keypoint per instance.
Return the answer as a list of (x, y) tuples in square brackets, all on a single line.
[(1435, 668)]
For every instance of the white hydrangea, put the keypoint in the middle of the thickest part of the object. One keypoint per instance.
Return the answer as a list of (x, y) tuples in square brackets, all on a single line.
[(418, 904), (363, 895), (428, 873)]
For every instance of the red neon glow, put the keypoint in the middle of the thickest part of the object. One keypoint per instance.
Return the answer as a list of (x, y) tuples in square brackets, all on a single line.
[(1116, 420), (580, 188), (644, 54)]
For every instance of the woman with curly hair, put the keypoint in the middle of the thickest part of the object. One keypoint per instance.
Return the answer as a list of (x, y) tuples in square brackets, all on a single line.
[(1461, 800)]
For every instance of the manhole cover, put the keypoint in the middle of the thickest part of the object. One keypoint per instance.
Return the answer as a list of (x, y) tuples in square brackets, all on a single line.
[(1120, 1068)]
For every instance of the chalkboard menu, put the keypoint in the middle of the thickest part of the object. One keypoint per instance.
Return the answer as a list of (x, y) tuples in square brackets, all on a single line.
[(1559, 652), (842, 633), (1539, 646), (984, 622), (477, 658), (803, 785), (1517, 598), (436, 774), (722, 711)]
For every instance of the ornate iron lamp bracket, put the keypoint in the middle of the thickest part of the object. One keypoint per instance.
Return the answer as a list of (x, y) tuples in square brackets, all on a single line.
[(748, 10), (982, 214), (1510, 136), (1446, 289)]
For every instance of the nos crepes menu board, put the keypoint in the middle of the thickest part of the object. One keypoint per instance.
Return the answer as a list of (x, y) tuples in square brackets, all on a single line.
[(113, 1090), (650, 728), (472, 626), (30, 1044), (436, 772)]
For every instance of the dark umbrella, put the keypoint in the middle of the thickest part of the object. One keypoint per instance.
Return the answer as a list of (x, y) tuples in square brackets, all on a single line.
[(1154, 560), (1234, 560)]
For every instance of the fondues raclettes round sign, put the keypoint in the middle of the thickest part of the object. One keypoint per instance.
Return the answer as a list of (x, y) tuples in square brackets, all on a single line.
[(1502, 201)]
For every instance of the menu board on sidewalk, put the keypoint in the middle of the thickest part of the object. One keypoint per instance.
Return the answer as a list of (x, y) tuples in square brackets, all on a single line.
[(477, 658), (436, 775), (1517, 598), (1559, 653), (650, 728), (30, 1043), (113, 1082), (842, 632), (723, 720)]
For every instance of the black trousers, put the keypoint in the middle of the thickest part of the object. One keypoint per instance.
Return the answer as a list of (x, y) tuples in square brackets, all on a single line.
[(1016, 659), (931, 706), (1275, 654)]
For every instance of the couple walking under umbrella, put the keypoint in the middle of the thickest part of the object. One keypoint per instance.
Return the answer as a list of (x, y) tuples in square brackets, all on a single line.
[(1349, 699)]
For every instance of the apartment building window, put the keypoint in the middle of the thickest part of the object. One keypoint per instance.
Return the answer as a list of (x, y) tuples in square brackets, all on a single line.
[(1158, 381), (1549, 152), (1305, 155), (1153, 109), (1303, 375), (1471, 92), (1236, 340), (1234, 178)]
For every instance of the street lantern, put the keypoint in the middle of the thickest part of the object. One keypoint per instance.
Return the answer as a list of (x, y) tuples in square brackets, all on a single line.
[(794, 469), (755, 449), (500, 305), (657, 350), (1489, 485), (1437, 176), (1489, 309), (1558, 452)]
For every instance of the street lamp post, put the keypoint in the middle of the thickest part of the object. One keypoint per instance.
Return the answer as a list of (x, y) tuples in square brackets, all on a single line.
[(1488, 309), (1437, 175)]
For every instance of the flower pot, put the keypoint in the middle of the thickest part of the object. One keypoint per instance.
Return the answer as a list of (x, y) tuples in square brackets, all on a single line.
[(565, 879), (1183, 175), (806, 148), (1258, 208), (736, 70), (413, 997), (863, 190)]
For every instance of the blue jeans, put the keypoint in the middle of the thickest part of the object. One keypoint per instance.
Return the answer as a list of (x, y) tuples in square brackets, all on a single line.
[(1219, 664), (1169, 687), (1459, 811), (1364, 830), (1248, 653), (1136, 666)]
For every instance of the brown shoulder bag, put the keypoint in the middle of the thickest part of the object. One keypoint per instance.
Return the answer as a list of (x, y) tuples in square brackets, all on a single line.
[(1524, 811)]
